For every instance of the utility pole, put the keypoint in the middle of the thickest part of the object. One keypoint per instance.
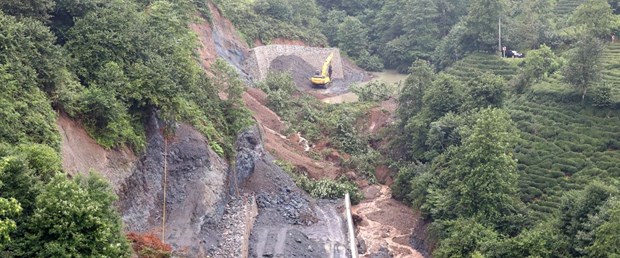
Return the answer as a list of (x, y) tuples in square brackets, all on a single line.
[(501, 52)]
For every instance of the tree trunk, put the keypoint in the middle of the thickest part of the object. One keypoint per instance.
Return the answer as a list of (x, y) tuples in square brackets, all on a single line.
[(583, 96)]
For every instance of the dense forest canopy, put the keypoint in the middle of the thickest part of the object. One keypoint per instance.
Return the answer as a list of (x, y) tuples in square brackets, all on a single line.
[(394, 33)]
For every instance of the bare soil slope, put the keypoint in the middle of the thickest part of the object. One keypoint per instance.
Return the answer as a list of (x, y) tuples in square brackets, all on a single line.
[(81, 154)]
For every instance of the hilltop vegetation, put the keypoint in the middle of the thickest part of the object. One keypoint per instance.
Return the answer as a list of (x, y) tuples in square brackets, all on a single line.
[(109, 65), (516, 157)]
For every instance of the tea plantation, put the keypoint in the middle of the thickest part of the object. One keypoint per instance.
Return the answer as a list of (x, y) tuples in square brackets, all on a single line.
[(562, 147)]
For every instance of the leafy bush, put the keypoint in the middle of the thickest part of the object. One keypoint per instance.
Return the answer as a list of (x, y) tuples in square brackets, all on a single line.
[(266, 20), (25, 113), (365, 163), (601, 96), (107, 119), (369, 62), (323, 188), (330, 189), (374, 91)]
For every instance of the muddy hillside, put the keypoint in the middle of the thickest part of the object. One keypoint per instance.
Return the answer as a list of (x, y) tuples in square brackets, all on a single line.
[(207, 206)]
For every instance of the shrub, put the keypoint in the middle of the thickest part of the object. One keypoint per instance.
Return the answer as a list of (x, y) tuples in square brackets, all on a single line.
[(601, 96), (323, 188), (365, 163), (330, 189), (374, 91), (369, 62)]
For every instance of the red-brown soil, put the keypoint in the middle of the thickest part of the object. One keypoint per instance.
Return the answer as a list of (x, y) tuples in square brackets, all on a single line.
[(282, 146), (149, 245), (81, 154)]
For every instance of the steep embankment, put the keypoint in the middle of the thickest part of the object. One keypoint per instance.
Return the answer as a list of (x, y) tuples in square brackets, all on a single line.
[(210, 207), (219, 39), (213, 209), (80, 154)]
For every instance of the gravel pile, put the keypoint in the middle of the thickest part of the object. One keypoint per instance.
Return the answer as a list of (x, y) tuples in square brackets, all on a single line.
[(300, 70), (290, 205), (235, 227)]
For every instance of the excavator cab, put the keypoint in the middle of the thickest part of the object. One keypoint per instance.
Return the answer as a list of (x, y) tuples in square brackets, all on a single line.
[(322, 78)]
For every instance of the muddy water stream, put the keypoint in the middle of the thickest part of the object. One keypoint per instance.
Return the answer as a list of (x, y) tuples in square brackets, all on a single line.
[(387, 76), (385, 223)]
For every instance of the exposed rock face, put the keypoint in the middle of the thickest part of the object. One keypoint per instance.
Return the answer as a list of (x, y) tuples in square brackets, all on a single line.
[(210, 208), (249, 147), (195, 188), (220, 40)]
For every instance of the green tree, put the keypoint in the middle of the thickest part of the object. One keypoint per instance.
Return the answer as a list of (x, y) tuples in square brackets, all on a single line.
[(37, 9), (543, 240), (463, 238), (450, 49), (607, 236), (29, 47), (416, 34), (444, 133), (279, 9), (481, 173), (227, 80), (595, 18), (410, 104), (352, 37), (8, 208), (539, 62), (485, 90), (412, 92), (76, 217), (527, 25), (330, 25), (583, 68), (577, 209), (25, 113), (444, 96), (481, 24)]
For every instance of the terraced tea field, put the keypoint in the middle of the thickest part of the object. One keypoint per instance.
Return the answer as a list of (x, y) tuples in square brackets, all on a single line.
[(466, 69), (611, 64), (562, 147), (567, 6)]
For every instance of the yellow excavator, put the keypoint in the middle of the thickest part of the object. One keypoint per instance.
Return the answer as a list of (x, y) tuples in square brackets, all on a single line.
[(323, 77)]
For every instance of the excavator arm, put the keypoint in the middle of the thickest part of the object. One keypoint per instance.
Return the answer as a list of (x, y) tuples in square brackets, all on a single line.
[(326, 65), (324, 78)]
